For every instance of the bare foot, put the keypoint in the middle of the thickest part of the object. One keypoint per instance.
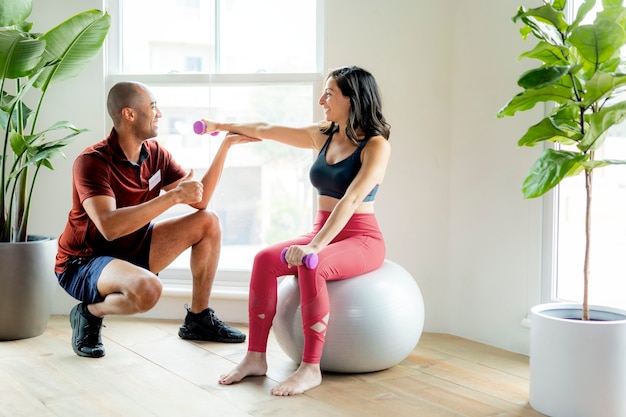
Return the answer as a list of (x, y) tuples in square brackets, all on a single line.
[(253, 364), (307, 376)]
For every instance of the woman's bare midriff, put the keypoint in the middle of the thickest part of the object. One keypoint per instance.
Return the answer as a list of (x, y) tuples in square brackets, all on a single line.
[(326, 203)]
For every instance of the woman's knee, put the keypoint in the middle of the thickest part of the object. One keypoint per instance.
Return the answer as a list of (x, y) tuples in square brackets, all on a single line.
[(266, 257)]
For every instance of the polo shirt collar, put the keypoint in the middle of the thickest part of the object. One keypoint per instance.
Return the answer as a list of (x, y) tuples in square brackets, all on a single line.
[(118, 153)]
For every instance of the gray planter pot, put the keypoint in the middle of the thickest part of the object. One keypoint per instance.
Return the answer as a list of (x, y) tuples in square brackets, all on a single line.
[(27, 286)]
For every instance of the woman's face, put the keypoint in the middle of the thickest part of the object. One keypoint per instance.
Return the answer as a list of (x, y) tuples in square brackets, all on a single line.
[(336, 105)]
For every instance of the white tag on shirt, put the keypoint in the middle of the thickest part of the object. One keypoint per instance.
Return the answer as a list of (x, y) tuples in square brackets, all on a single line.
[(154, 180)]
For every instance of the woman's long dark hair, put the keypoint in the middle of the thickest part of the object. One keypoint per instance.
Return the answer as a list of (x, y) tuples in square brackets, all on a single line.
[(365, 104)]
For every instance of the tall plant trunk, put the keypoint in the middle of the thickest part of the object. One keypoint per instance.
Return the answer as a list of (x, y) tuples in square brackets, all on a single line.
[(586, 271)]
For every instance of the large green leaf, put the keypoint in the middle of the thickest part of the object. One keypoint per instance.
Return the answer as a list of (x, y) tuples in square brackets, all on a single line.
[(547, 53), (597, 43), (552, 15), (601, 86), (566, 117), (14, 11), (19, 55), (544, 22), (544, 131), (542, 76), (548, 171), (527, 99), (74, 43), (600, 123)]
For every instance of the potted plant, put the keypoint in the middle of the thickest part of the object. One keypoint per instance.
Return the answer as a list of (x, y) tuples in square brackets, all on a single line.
[(31, 63), (577, 360)]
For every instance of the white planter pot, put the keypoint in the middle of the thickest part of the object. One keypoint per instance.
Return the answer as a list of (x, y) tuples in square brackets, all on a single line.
[(578, 368)]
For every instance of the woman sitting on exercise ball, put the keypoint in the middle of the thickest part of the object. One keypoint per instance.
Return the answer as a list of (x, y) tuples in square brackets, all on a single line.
[(353, 155)]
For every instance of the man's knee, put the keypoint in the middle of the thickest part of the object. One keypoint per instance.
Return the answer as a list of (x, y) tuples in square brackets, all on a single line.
[(147, 293), (210, 223)]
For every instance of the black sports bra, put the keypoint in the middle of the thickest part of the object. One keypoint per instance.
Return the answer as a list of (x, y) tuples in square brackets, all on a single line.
[(333, 180)]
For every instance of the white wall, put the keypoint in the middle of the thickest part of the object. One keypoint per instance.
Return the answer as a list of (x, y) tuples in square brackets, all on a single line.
[(398, 43), (495, 238), (450, 206)]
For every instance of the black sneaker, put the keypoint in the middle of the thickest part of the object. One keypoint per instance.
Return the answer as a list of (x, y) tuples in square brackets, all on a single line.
[(86, 339), (205, 326)]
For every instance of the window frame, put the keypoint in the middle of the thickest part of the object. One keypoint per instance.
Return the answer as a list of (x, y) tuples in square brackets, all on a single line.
[(175, 277), (551, 208)]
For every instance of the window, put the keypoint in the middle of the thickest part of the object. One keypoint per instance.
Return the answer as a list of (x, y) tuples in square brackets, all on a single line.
[(235, 60), (607, 284)]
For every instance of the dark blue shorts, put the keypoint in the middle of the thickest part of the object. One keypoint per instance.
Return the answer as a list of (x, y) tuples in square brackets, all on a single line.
[(80, 278)]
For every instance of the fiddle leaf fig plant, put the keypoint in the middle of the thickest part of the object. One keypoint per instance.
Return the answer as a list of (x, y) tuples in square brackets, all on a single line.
[(30, 63), (581, 75)]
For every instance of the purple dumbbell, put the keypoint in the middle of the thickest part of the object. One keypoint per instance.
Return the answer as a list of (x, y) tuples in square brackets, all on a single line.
[(199, 128), (310, 260)]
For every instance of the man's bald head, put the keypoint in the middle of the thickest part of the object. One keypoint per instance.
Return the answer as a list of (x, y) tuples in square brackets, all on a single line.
[(124, 94)]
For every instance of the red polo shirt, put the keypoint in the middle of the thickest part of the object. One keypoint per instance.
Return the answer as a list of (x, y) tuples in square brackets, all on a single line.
[(102, 169)]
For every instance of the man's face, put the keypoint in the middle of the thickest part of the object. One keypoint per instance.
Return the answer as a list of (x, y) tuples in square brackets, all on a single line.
[(147, 116)]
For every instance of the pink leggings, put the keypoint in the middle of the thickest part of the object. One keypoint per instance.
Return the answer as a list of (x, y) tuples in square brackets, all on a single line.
[(357, 249)]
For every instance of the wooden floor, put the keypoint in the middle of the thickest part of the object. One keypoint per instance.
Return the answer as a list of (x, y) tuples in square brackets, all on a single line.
[(149, 371)]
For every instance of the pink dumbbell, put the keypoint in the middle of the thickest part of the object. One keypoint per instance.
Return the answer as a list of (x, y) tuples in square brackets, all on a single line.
[(199, 127), (310, 260)]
